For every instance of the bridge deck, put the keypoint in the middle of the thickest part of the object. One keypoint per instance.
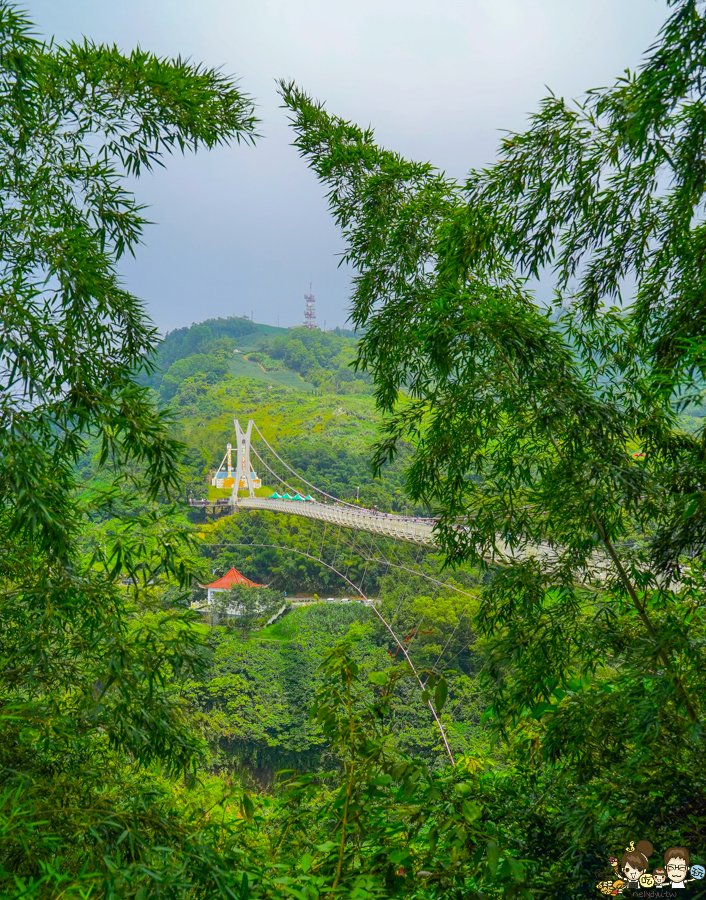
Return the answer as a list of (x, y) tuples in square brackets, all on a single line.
[(418, 531), (406, 528)]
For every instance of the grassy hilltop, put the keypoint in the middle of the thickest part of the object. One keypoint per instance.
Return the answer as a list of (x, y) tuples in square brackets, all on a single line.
[(295, 358)]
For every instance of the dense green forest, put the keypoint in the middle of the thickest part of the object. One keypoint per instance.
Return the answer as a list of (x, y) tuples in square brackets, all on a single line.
[(498, 715), (297, 358)]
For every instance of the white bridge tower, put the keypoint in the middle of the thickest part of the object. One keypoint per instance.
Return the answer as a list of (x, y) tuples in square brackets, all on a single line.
[(244, 477), (247, 477)]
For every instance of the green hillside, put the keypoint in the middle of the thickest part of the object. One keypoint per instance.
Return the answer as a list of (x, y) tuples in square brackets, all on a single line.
[(243, 367), (295, 358), (298, 386)]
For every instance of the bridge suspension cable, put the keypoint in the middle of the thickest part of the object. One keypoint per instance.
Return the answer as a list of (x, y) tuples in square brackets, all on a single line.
[(275, 475), (296, 474)]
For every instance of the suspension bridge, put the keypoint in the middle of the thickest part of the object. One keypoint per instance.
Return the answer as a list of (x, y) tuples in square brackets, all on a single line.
[(239, 475), (247, 492)]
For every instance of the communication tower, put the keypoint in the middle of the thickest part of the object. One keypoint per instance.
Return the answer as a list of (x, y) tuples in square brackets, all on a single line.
[(309, 310)]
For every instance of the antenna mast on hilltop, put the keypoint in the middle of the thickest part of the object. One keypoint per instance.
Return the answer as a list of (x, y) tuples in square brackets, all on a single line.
[(309, 311)]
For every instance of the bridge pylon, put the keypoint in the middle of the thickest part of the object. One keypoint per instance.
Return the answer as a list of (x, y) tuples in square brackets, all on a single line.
[(246, 476)]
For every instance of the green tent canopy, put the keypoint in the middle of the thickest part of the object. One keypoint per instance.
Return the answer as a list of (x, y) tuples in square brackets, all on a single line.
[(275, 496), (287, 497)]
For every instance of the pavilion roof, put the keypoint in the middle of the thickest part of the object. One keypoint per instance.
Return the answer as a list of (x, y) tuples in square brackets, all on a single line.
[(230, 578)]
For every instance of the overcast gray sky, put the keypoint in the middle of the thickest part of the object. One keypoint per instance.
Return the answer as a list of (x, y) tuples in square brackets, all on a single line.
[(244, 229)]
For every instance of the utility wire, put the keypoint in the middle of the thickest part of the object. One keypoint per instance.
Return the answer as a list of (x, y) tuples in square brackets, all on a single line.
[(372, 606)]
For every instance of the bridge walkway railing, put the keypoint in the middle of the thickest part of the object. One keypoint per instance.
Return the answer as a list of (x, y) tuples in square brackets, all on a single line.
[(419, 531)]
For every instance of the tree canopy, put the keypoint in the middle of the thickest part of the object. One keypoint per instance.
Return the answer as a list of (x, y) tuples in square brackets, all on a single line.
[(84, 686), (556, 428)]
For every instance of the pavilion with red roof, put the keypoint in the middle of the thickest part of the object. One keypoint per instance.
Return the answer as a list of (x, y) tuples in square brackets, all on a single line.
[(225, 583)]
